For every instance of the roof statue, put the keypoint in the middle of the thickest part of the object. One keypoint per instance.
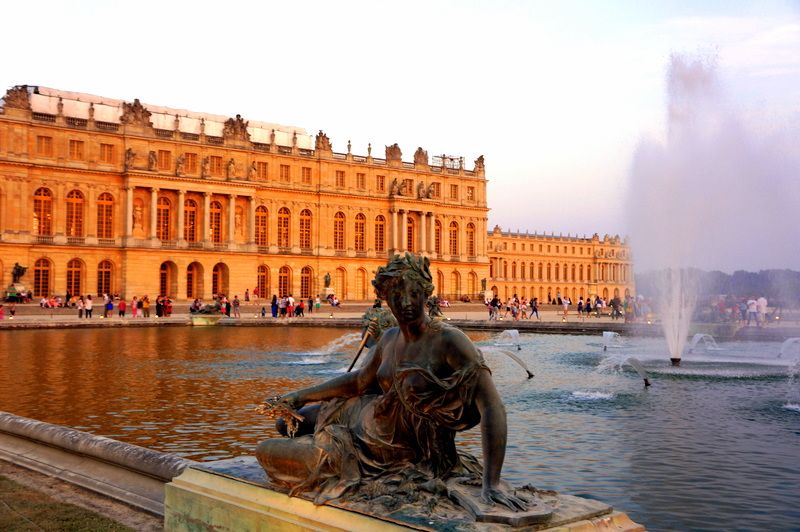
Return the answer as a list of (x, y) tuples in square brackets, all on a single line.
[(236, 128), (420, 156), (17, 98), (322, 142), (135, 114), (393, 153), (479, 163)]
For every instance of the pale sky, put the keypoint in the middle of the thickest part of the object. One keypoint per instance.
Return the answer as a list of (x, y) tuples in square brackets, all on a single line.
[(555, 94)]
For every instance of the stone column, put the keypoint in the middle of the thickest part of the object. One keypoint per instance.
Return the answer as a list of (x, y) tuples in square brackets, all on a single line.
[(206, 221), (251, 221), (128, 212), (422, 247), (393, 233), (231, 220), (153, 211), (181, 200), (403, 226)]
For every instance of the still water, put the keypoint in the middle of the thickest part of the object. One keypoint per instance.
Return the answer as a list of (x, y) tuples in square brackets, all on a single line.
[(713, 445)]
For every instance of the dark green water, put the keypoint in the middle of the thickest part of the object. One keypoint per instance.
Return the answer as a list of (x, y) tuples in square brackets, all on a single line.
[(714, 445)]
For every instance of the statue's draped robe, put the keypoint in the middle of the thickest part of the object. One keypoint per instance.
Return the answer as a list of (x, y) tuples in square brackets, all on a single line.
[(410, 427)]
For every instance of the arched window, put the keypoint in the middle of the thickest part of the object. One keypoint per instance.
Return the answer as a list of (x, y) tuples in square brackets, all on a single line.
[(215, 222), (167, 279), (522, 271), (261, 227), (558, 272), (513, 270), (284, 219), (361, 284), (471, 240), (43, 212), (219, 279), (439, 283), (284, 281), (549, 272), (163, 208), (361, 230), (580, 272), (305, 229), (194, 280), (340, 283), (305, 282), (472, 287), (505, 269), (338, 231), (104, 271), (540, 272), (437, 237), (74, 276), (190, 221), (75, 213), (410, 234), (105, 217), (262, 282), (588, 273), (573, 273), (380, 233), (42, 276), (532, 268), (454, 238)]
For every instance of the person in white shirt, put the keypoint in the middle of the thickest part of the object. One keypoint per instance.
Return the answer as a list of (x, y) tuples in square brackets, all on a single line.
[(761, 307), (752, 311)]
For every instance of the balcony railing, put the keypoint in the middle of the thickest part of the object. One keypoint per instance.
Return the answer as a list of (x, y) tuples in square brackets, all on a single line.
[(215, 140), (164, 133), (106, 241), (196, 245), (77, 122), (44, 239), (107, 126), (43, 117), (76, 240), (190, 136)]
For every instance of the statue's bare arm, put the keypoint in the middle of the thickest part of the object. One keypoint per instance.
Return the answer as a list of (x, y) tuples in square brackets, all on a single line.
[(350, 384)]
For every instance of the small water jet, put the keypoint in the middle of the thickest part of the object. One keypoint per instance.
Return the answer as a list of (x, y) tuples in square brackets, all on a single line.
[(787, 346), (509, 337), (615, 362), (709, 344), (611, 339), (793, 387)]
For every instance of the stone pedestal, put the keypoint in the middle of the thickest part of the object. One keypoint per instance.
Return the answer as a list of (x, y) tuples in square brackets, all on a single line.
[(232, 495)]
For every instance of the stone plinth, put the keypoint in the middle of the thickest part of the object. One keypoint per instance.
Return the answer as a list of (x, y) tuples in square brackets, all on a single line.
[(232, 495)]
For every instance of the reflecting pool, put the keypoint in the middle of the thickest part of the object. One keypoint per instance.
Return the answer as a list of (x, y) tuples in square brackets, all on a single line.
[(714, 444)]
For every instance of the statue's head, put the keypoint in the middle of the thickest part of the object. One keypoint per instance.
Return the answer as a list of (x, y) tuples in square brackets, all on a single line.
[(404, 270)]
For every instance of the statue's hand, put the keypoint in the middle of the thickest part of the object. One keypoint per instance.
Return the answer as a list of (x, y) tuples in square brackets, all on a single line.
[(373, 329), (293, 400), (491, 496)]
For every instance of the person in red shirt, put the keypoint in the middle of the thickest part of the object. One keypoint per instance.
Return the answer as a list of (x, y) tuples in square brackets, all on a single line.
[(121, 307)]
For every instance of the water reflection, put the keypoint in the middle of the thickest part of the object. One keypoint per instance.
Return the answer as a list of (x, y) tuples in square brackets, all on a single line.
[(708, 445)]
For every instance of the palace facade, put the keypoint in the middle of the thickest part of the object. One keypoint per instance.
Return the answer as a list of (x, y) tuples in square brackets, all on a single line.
[(106, 196)]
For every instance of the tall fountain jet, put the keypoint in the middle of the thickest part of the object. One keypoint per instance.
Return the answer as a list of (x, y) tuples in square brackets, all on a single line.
[(712, 194)]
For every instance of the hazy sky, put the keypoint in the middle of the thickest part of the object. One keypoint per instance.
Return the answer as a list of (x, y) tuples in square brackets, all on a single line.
[(555, 95)]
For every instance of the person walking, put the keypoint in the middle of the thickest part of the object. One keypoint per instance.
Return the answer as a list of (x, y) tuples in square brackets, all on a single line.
[(236, 304), (87, 306), (80, 307), (535, 309), (274, 306)]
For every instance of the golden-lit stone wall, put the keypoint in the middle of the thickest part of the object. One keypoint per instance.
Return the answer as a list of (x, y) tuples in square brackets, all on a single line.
[(138, 201), (546, 267)]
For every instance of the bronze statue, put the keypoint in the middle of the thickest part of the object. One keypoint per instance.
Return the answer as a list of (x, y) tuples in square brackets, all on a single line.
[(17, 272), (398, 413)]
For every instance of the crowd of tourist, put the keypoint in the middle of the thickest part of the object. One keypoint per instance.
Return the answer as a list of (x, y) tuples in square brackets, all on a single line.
[(629, 308)]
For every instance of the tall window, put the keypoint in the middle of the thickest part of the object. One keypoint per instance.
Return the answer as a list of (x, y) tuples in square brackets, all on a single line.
[(305, 229), (44, 146), (340, 178), (191, 279), (361, 284), (340, 282), (162, 219), (471, 240), (74, 274), (75, 213), (105, 217), (76, 150), (454, 238), (284, 218), (43, 211), (261, 226), (305, 282), (338, 231), (262, 169), (286, 176), (190, 220), (190, 163), (380, 183), (41, 278), (410, 235), (380, 233), (408, 187), (262, 281), (284, 281), (360, 234), (436, 190), (306, 177), (514, 270), (215, 221), (455, 283), (361, 181), (104, 277), (437, 237), (558, 272), (164, 159), (453, 191), (215, 165), (107, 153), (470, 193)]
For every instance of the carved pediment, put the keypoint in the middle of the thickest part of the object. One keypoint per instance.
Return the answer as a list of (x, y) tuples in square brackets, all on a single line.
[(18, 98), (236, 128), (135, 114)]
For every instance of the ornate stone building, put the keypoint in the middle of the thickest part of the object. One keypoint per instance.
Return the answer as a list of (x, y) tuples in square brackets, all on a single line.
[(106, 196), (548, 267)]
